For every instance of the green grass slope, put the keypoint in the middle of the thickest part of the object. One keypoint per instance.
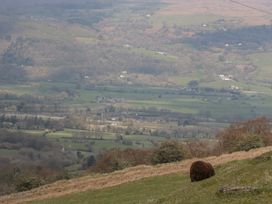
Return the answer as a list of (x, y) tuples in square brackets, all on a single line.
[(177, 188)]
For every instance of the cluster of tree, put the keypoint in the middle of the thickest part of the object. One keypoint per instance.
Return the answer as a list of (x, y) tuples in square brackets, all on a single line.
[(65, 11), (152, 68), (13, 60), (248, 38), (17, 178), (75, 122), (169, 151), (34, 161), (117, 159), (28, 103), (16, 141), (89, 20), (15, 53), (12, 73), (30, 122), (25, 98), (245, 135), (5, 29), (35, 122), (192, 88)]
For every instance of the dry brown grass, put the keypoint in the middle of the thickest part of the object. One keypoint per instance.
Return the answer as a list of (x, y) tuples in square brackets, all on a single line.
[(94, 182), (224, 8)]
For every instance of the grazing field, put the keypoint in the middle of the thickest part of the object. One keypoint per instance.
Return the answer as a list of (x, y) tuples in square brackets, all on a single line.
[(86, 141), (140, 116), (173, 99)]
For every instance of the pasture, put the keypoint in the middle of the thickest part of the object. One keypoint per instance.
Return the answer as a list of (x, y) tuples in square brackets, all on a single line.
[(177, 188), (218, 104)]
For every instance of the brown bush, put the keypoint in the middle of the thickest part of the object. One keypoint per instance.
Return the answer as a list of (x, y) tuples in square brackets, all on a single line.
[(117, 159), (245, 135), (200, 148), (201, 170)]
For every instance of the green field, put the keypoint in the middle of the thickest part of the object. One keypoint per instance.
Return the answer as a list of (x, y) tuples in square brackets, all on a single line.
[(264, 62), (8, 153), (216, 109), (177, 188), (81, 140), (218, 105)]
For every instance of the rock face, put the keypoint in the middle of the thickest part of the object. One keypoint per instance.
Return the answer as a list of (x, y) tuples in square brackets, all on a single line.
[(201, 170)]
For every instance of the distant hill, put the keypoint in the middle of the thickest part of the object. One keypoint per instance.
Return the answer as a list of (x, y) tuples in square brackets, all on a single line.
[(65, 40)]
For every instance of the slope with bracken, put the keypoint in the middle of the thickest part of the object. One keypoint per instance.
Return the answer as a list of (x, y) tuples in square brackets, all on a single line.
[(95, 182)]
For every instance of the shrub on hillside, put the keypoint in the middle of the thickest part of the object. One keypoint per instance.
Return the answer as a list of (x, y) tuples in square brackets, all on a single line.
[(88, 162), (249, 142), (245, 135), (35, 161), (27, 183), (117, 159), (200, 148), (168, 151)]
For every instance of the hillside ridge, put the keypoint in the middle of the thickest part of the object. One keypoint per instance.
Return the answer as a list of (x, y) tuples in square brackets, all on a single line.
[(96, 182)]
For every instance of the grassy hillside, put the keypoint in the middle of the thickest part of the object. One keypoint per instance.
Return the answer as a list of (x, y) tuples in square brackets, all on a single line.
[(151, 183), (156, 42), (177, 188), (65, 41), (131, 73)]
